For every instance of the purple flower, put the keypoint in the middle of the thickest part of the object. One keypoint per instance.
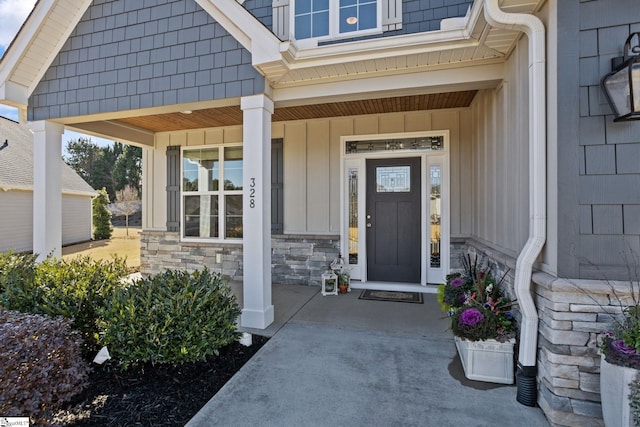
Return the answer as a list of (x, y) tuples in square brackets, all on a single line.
[(621, 347), (461, 299), (457, 282), (471, 317)]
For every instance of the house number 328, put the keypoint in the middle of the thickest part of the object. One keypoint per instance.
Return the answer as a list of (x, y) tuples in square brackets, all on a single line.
[(252, 193)]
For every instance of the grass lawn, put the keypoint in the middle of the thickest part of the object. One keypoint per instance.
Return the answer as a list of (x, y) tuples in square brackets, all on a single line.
[(124, 246)]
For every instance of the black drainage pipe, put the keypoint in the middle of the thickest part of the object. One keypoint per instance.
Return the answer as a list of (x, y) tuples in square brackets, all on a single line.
[(526, 381)]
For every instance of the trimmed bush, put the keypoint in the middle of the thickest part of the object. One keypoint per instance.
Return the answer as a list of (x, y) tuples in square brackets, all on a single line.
[(40, 364), (173, 318), (102, 228), (16, 269), (72, 289)]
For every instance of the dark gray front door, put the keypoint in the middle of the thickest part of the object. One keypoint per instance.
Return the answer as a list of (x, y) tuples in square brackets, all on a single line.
[(393, 220)]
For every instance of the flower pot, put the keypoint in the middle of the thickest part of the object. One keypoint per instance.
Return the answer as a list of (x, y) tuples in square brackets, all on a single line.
[(489, 360), (343, 288), (614, 393)]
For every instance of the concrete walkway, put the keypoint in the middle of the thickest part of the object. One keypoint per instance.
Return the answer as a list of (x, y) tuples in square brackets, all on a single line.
[(341, 361)]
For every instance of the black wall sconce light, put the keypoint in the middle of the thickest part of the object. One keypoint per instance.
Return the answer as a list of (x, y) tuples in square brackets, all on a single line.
[(622, 84)]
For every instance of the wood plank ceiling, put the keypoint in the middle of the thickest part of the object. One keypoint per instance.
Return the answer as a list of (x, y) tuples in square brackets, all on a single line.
[(229, 116)]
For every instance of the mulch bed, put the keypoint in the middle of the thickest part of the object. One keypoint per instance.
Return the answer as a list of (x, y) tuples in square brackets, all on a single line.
[(154, 395)]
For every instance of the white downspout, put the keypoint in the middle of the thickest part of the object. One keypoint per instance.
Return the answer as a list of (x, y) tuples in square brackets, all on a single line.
[(535, 31)]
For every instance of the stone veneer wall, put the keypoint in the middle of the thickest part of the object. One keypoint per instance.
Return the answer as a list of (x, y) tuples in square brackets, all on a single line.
[(572, 315), (571, 321), (501, 264), (296, 259)]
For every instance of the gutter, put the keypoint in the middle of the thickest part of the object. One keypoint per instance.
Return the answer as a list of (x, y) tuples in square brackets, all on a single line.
[(533, 27)]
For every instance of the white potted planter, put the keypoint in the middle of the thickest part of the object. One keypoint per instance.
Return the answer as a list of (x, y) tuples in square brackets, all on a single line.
[(614, 394), (488, 360)]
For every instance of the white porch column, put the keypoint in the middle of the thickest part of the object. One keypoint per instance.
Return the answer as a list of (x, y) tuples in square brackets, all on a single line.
[(47, 189), (256, 211)]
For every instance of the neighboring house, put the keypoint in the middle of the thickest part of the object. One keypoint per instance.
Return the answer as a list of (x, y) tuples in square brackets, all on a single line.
[(16, 193), (396, 133)]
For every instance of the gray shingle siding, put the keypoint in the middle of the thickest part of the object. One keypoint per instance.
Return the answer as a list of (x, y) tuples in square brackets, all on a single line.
[(603, 190), (261, 10), (423, 15), (417, 16), (129, 54)]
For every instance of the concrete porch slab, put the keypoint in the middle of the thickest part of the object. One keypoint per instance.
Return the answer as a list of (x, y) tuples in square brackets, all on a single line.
[(343, 361), (287, 301)]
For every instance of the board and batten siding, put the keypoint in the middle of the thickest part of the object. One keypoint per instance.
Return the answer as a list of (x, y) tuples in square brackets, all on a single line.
[(312, 163), (500, 160), (16, 227), (311, 153), (155, 170)]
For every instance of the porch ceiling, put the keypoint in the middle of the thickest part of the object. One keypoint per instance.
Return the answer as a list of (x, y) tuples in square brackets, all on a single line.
[(232, 115)]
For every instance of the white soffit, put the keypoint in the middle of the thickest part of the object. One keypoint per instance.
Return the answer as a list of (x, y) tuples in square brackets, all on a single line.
[(467, 41), (39, 40)]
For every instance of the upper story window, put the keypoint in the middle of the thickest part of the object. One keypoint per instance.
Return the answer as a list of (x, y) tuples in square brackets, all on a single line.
[(331, 19)]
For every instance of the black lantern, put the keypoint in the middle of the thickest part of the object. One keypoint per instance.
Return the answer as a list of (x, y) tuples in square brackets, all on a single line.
[(622, 84)]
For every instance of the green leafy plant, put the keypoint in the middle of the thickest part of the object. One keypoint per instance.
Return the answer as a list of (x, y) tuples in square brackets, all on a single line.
[(40, 364), (173, 317), (102, 228), (73, 289), (477, 304), (621, 343), (16, 269)]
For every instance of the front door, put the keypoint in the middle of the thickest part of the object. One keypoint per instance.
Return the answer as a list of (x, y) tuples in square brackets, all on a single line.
[(393, 226)]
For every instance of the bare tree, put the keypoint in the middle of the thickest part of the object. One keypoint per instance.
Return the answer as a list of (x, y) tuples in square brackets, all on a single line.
[(127, 203)]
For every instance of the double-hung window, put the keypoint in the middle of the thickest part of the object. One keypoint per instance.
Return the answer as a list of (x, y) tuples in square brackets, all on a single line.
[(212, 192), (332, 19)]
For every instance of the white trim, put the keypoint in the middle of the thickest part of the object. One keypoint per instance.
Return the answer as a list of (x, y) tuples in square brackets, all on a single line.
[(263, 45), (220, 193), (358, 160), (465, 78), (443, 161), (334, 26), (381, 47), (29, 33)]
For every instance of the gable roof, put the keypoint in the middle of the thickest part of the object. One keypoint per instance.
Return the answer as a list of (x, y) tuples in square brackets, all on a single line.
[(16, 162), (285, 64), (51, 22)]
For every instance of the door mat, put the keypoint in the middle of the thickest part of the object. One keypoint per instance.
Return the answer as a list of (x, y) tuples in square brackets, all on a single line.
[(395, 296)]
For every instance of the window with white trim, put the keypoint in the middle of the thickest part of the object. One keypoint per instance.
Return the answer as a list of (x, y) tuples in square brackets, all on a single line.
[(332, 19), (211, 193)]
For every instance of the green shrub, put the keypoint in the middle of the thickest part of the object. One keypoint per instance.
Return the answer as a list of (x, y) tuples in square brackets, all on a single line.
[(102, 228), (174, 317), (16, 269), (73, 289), (40, 364)]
